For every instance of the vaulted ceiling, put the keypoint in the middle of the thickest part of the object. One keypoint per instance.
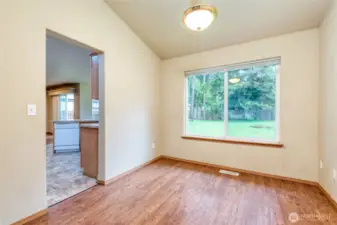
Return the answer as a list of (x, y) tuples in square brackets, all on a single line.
[(158, 22), (66, 62)]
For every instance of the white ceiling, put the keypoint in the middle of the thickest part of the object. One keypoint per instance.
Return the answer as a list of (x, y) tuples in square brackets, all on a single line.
[(66, 63), (158, 22)]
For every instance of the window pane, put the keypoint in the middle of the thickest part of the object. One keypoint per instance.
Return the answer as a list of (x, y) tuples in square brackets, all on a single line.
[(66, 107), (70, 106), (95, 107), (62, 107), (251, 103), (205, 105)]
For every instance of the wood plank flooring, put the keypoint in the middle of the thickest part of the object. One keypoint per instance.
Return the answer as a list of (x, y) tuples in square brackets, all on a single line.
[(170, 192)]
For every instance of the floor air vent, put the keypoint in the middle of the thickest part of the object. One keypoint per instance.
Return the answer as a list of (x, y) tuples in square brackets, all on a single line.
[(229, 173)]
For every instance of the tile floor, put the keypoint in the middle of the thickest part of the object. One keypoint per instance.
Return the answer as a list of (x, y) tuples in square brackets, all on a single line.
[(64, 176)]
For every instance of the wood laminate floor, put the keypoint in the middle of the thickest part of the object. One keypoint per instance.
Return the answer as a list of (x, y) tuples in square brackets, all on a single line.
[(171, 192)]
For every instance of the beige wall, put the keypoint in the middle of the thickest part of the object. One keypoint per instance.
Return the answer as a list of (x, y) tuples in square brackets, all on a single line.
[(85, 101), (131, 87), (299, 111), (131, 121), (328, 100)]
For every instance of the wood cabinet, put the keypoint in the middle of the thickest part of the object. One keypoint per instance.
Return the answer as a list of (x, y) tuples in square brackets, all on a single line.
[(94, 74), (89, 149)]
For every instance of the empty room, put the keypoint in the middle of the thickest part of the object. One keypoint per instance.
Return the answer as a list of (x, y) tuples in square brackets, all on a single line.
[(209, 112)]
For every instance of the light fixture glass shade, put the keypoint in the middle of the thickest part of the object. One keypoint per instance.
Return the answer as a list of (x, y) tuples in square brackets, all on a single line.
[(199, 17)]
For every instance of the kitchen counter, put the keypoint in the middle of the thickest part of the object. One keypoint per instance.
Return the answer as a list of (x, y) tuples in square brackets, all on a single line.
[(90, 125), (76, 121), (67, 133)]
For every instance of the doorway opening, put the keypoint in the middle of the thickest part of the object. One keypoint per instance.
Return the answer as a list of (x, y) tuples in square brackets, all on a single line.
[(74, 113)]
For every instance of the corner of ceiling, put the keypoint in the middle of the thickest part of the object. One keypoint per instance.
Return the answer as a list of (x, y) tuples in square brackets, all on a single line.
[(133, 31)]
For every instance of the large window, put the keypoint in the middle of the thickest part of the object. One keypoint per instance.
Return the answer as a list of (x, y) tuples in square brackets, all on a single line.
[(238, 102)]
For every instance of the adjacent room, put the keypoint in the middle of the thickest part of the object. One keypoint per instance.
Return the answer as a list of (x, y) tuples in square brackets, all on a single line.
[(72, 108), (184, 112)]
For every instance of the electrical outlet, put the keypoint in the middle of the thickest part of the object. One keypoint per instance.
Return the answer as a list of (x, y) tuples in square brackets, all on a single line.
[(334, 176), (153, 145), (321, 164)]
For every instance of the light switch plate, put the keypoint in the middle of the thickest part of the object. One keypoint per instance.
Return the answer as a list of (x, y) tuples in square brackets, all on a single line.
[(321, 164), (31, 109), (153, 145), (334, 175)]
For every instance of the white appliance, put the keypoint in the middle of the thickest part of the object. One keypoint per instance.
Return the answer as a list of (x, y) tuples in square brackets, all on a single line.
[(66, 136)]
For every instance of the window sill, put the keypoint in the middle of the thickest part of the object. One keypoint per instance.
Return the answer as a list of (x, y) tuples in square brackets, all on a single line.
[(264, 144)]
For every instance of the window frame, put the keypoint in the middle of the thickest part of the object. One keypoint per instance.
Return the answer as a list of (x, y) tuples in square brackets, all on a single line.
[(226, 138)]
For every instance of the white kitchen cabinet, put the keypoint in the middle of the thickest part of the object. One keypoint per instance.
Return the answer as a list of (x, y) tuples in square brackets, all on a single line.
[(66, 136)]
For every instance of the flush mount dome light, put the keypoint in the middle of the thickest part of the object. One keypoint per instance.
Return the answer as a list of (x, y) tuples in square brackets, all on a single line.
[(199, 17)]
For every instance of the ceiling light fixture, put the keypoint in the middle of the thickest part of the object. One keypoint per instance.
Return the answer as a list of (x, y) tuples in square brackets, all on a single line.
[(199, 16)]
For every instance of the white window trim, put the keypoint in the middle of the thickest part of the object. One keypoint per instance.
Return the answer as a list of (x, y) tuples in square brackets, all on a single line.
[(264, 62), (225, 92)]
